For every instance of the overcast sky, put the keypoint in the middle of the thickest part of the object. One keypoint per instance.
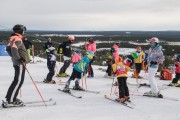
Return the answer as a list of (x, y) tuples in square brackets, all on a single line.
[(92, 15)]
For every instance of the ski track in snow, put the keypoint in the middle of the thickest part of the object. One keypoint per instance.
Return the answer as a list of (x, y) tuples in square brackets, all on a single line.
[(91, 106)]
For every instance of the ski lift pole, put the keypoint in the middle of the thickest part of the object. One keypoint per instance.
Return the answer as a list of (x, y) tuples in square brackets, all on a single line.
[(35, 84)]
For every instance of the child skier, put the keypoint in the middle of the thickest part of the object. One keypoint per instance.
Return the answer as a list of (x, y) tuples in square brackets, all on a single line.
[(79, 68), (51, 63), (177, 71), (138, 61), (120, 70), (76, 57), (91, 46), (109, 68)]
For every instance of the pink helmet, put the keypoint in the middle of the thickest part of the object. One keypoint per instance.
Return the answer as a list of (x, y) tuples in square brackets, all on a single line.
[(71, 38)]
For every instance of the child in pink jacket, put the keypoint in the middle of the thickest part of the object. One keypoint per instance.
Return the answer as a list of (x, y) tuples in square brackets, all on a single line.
[(90, 46)]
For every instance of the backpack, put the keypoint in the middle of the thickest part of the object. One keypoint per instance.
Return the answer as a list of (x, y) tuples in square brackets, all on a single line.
[(166, 75)]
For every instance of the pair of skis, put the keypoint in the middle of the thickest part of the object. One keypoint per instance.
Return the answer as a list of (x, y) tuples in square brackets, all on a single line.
[(126, 104), (69, 93), (164, 97), (49, 102)]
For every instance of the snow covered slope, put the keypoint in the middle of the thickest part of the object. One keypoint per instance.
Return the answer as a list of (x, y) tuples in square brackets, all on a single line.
[(91, 106)]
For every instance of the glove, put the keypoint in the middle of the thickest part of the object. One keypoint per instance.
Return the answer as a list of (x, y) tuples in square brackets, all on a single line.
[(153, 63), (22, 60)]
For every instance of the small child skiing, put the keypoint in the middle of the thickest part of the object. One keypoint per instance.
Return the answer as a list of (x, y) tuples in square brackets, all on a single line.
[(76, 57), (51, 63), (109, 68), (120, 70), (177, 72), (78, 69)]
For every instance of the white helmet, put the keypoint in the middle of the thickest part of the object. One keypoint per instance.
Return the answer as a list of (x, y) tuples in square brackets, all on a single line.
[(154, 39)]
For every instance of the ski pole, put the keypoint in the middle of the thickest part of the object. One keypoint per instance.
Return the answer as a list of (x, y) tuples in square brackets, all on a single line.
[(59, 78), (112, 86), (85, 81), (34, 84)]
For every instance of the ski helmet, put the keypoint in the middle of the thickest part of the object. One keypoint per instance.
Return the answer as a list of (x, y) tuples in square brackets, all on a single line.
[(77, 51), (19, 28), (117, 42), (90, 54), (90, 39), (71, 38), (178, 58), (112, 50), (154, 39)]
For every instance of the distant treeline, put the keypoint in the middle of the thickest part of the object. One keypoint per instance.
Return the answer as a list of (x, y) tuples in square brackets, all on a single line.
[(136, 36)]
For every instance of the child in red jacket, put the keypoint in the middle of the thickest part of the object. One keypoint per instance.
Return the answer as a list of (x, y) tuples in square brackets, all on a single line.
[(177, 71)]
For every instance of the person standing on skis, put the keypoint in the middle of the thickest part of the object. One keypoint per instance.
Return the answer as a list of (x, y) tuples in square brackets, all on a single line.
[(138, 60), (51, 63), (47, 45), (155, 57), (177, 72), (90, 46), (120, 70), (18, 54), (78, 69), (66, 49)]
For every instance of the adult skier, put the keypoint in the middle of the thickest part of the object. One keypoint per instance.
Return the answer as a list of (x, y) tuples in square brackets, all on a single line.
[(66, 49), (18, 54), (155, 57)]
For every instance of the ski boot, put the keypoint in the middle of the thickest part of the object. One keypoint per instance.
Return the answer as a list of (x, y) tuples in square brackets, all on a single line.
[(127, 98), (62, 75), (77, 87), (66, 89), (121, 100), (151, 94), (173, 84)]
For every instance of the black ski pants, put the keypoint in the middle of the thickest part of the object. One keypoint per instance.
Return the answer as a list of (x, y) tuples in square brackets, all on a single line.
[(65, 66), (50, 74), (177, 77), (90, 69), (16, 83), (123, 88)]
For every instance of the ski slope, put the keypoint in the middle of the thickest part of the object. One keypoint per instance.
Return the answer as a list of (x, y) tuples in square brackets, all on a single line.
[(91, 106)]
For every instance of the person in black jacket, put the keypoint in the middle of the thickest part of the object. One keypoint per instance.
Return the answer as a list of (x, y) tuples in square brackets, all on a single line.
[(27, 45), (47, 45), (66, 50)]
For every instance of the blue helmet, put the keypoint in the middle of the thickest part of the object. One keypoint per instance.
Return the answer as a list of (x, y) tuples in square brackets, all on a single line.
[(178, 58), (77, 51)]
